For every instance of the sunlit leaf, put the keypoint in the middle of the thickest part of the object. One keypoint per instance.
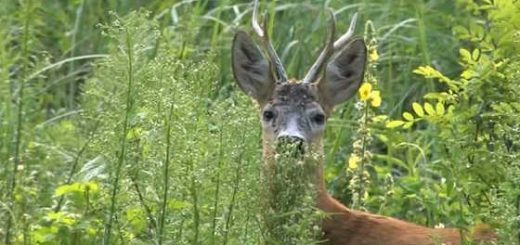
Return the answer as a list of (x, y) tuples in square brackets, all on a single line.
[(461, 31), (407, 125), (475, 54), (68, 188), (429, 109), (379, 118), (465, 55), (394, 123), (177, 204), (408, 116), (417, 108), (439, 108)]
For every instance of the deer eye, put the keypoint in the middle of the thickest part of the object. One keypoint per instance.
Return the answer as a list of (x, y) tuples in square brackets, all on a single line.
[(268, 115), (318, 118)]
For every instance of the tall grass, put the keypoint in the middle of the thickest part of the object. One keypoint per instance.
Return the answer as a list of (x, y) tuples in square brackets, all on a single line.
[(123, 125)]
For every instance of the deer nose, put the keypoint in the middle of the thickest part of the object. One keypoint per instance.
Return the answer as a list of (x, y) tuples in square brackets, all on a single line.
[(293, 143)]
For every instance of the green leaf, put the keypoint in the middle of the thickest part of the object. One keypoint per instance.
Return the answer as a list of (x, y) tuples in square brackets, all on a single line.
[(392, 160), (465, 55), (407, 125), (382, 138), (467, 74), (477, 30), (451, 108), (475, 54), (418, 109), (429, 109), (379, 118), (408, 116), (136, 218), (68, 188), (461, 31), (177, 204), (394, 123), (90, 186), (439, 108), (427, 71), (430, 72), (439, 96), (134, 133)]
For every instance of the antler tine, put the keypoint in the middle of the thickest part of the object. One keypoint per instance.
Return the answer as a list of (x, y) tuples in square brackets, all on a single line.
[(338, 44), (330, 48), (277, 66), (325, 54), (254, 21)]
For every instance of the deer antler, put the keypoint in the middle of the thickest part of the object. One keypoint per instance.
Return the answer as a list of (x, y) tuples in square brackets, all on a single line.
[(276, 63), (330, 48)]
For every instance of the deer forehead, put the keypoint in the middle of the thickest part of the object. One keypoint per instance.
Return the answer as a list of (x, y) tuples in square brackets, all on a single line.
[(294, 94), (295, 99)]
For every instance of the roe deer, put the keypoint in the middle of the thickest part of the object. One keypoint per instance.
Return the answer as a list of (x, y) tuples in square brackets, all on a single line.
[(296, 112)]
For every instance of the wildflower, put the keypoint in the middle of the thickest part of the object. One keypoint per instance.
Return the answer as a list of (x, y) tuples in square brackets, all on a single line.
[(376, 99), (372, 54), (364, 91), (353, 161), (367, 94)]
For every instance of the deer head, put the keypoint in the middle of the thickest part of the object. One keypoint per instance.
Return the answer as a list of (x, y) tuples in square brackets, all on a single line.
[(291, 111)]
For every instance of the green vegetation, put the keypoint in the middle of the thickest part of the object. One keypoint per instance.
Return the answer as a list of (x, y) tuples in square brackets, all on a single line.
[(120, 122)]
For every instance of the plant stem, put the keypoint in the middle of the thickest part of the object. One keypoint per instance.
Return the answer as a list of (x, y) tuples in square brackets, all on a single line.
[(19, 126), (518, 215), (121, 157), (147, 209), (166, 175), (194, 196), (217, 190), (72, 85), (363, 149), (75, 165), (233, 196)]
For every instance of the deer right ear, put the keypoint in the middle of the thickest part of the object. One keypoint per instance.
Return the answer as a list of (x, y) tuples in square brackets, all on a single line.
[(344, 74), (250, 68)]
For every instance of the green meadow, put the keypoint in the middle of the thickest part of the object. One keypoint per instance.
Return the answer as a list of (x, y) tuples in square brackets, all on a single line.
[(121, 122)]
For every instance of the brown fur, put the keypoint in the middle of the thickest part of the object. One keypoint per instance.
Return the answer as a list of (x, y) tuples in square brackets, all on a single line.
[(349, 227)]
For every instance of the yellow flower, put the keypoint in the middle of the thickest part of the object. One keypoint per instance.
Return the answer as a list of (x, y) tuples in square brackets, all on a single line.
[(372, 54), (376, 99), (353, 161), (364, 91), (366, 94)]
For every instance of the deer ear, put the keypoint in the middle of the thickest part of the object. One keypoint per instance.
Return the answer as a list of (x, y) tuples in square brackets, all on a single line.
[(250, 68), (344, 74)]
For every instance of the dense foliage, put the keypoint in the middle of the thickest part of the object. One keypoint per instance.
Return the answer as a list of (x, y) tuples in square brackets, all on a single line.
[(120, 122)]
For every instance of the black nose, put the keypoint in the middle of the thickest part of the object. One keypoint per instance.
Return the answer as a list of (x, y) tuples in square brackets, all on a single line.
[(292, 144)]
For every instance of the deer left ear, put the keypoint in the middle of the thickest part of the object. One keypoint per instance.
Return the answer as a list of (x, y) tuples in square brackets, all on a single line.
[(344, 74), (250, 68)]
